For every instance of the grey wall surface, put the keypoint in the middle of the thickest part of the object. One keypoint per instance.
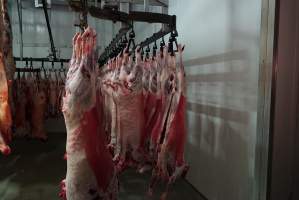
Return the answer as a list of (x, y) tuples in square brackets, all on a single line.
[(222, 39)]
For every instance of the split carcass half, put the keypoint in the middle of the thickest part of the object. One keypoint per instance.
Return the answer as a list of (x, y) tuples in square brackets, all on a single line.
[(90, 169), (5, 66), (5, 112), (171, 141)]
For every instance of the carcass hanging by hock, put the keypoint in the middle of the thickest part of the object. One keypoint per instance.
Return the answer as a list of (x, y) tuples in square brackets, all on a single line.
[(90, 171)]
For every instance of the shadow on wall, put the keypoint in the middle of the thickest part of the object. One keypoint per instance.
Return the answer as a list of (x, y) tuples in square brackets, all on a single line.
[(220, 114)]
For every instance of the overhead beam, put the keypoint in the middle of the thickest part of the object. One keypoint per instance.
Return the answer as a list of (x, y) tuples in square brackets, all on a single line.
[(108, 14), (152, 18), (49, 29), (115, 16)]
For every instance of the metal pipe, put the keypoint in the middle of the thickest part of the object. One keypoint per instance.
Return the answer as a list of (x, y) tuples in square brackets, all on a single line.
[(42, 59), (49, 29), (19, 6)]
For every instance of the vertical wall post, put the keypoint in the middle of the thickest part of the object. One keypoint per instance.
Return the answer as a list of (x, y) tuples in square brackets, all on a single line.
[(146, 5), (264, 99), (124, 7)]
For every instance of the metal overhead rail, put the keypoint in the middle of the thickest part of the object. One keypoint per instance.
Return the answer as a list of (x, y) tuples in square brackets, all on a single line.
[(168, 22), (37, 70), (156, 36), (169, 25), (122, 32), (49, 29), (110, 50), (114, 16), (153, 18), (41, 59), (108, 14)]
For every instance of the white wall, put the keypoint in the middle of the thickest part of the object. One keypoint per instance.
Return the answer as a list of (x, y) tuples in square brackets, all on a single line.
[(222, 64)]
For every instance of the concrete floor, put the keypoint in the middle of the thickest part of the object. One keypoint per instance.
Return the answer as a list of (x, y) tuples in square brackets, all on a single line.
[(35, 169)]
